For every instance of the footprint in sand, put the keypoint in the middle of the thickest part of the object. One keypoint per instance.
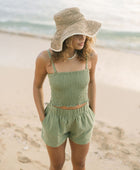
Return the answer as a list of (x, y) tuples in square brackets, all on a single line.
[(135, 165), (8, 125), (42, 165), (110, 155), (125, 151), (27, 138), (2, 148), (28, 126), (34, 143), (38, 129), (24, 159), (100, 123), (24, 135), (119, 132)]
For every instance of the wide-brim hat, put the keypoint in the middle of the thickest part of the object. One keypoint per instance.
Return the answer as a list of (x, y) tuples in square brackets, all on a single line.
[(71, 21)]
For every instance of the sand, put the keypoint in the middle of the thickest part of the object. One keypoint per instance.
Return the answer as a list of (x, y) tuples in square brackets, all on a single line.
[(115, 143)]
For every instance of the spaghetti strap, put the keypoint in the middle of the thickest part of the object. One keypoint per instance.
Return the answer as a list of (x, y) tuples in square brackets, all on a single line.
[(86, 63), (52, 61)]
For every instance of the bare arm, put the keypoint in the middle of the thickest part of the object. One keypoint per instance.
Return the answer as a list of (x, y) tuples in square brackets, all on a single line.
[(92, 84), (40, 74)]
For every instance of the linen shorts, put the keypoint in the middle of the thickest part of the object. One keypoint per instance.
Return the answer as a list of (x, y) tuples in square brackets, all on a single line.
[(60, 124)]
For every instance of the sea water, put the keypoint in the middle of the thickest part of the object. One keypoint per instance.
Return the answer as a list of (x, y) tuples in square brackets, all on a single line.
[(120, 19)]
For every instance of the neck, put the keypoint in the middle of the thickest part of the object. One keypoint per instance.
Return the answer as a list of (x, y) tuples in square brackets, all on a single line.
[(70, 52)]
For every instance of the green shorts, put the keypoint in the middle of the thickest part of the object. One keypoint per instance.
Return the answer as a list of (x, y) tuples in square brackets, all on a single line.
[(58, 124)]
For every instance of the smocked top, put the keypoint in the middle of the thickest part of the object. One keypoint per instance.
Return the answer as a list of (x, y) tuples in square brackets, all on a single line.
[(68, 88)]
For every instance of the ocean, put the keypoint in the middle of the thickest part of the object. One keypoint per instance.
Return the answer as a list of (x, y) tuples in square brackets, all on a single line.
[(120, 19)]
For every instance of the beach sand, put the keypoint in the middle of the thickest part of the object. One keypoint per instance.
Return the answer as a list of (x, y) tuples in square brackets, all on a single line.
[(115, 143)]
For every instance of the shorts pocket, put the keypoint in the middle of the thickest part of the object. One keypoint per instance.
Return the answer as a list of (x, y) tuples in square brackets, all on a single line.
[(45, 113), (92, 113)]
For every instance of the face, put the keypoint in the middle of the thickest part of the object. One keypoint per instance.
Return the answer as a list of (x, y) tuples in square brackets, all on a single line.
[(78, 41)]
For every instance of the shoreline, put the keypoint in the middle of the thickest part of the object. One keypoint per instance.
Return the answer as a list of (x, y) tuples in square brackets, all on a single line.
[(113, 67), (50, 37)]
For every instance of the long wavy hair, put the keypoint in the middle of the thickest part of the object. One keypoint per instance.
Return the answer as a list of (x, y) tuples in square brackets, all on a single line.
[(81, 54)]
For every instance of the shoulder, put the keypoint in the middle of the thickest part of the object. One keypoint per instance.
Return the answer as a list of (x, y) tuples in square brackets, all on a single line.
[(93, 56), (43, 58)]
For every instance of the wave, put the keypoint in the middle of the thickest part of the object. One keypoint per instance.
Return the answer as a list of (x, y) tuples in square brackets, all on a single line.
[(116, 39), (50, 26), (118, 33), (25, 34), (25, 24)]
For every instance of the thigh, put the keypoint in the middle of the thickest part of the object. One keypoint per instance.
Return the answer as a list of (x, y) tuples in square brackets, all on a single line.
[(78, 151), (57, 154), (82, 128)]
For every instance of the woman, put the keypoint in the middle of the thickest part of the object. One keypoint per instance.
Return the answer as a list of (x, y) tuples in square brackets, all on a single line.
[(70, 66)]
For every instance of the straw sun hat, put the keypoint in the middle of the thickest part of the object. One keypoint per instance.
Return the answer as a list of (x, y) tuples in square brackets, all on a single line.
[(71, 21)]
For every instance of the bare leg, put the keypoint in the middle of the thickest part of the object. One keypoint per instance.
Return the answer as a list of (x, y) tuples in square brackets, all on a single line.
[(57, 156), (79, 153)]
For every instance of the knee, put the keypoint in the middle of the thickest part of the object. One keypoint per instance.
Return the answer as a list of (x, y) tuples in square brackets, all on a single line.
[(57, 166), (79, 164)]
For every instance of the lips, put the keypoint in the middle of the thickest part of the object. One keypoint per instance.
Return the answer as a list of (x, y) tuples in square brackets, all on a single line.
[(81, 44)]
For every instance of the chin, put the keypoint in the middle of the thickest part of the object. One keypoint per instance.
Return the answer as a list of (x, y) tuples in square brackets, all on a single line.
[(79, 48)]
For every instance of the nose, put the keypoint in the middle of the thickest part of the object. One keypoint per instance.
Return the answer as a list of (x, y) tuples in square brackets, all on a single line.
[(82, 37)]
